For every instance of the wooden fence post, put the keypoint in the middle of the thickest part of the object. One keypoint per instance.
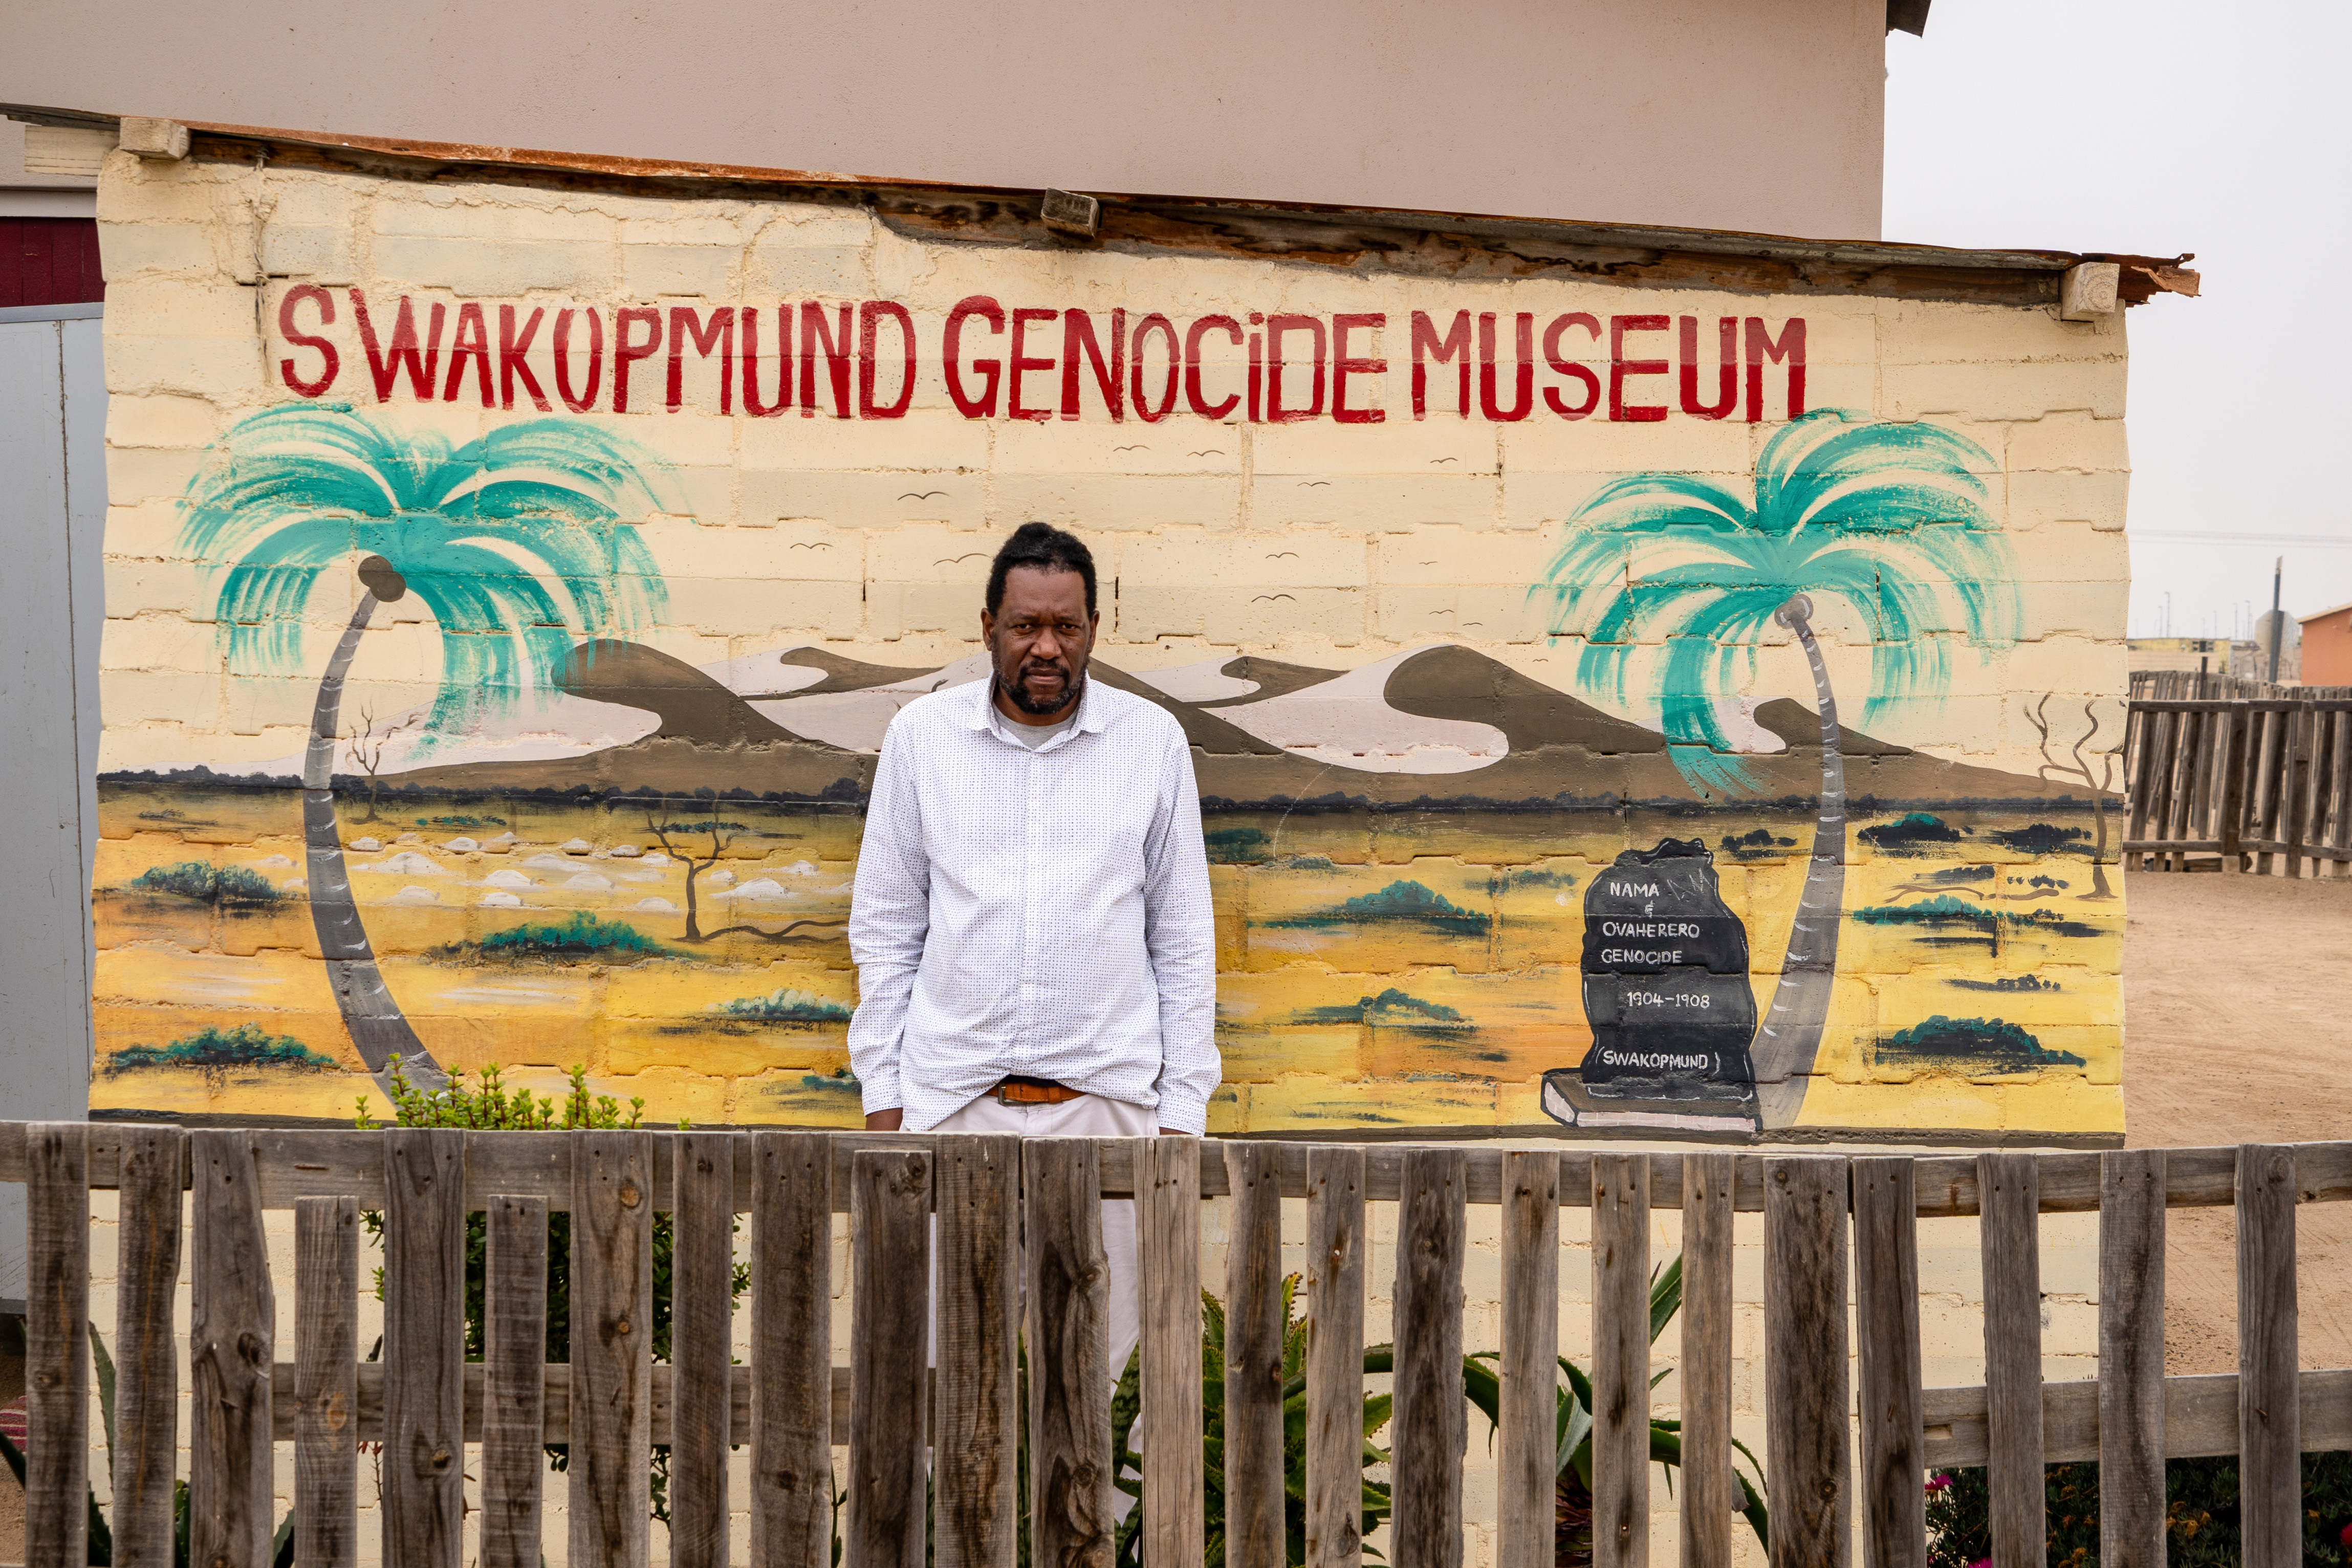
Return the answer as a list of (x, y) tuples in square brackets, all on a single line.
[(514, 1386), (1335, 1356), (791, 1349), (425, 1346), (889, 1318), (1886, 1315), (1070, 1518), (152, 1176), (2233, 792), (2131, 1359), (1254, 1332), (1807, 1449), (2270, 1443), (232, 1345), (1431, 1432), (1620, 1360), (1529, 1369), (2009, 1197), (976, 1421), (612, 1312), (326, 1381), (1168, 1233), (56, 1345), (1709, 1494), (702, 1306)]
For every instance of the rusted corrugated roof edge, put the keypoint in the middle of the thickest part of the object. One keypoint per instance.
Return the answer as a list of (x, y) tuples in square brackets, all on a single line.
[(2144, 276)]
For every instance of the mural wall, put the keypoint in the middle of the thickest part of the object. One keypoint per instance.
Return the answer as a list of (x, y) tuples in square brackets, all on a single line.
[(1619, 710)]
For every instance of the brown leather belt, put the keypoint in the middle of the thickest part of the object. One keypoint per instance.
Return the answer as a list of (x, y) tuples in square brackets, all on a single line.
[(1016, 1089)]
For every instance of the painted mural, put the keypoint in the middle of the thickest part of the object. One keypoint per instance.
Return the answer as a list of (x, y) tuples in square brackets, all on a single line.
[(1575, 754)]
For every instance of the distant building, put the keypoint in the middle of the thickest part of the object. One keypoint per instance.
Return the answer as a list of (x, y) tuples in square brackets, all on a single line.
[(2217, 656), (2327, 648)]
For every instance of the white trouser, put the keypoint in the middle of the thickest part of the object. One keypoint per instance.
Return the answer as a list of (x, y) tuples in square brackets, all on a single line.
[(1088, 1116)]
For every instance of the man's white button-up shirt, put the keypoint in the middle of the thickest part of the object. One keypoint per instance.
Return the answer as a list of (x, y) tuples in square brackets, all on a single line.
[(1044, 913)]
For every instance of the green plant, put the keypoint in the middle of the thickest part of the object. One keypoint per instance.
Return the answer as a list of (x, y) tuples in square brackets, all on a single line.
[(2202, 1519), (1481, 1385), (492, 1107), (1127, 1403), (1572, 1495), (100, 1530)]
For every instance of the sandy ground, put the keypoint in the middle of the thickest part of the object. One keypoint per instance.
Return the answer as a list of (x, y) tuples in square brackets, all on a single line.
[(2237, 1028)]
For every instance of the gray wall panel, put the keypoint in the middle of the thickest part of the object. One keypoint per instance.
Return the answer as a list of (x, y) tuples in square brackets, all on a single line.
[(52, 520)]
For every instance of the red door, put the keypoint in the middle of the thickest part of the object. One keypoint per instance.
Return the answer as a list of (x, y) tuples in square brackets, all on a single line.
[(49, 261)]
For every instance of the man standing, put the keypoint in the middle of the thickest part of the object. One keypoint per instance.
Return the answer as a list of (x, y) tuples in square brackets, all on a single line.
[(1036, 949)]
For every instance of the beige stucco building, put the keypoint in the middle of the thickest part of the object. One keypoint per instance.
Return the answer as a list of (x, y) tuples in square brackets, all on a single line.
[(1697, 114)]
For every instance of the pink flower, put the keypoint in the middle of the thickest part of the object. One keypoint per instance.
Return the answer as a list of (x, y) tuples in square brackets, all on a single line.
[(1982, 1563), (2346, 1538), (1938, 1482)]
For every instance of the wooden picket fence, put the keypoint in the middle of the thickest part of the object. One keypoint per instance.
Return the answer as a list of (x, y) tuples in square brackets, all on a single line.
[(1003, 1220), (2264, 784)]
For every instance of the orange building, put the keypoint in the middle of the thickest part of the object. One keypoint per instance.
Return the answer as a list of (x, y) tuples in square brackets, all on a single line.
[(2327, 648)]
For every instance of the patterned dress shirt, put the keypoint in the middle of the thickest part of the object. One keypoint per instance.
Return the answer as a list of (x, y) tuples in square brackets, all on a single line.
[(1038, 912)]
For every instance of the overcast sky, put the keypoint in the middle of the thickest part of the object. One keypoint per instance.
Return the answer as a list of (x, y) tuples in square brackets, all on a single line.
[(2155, 127)]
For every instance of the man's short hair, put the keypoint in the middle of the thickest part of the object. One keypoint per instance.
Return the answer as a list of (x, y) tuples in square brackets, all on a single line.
[(1047, 548)]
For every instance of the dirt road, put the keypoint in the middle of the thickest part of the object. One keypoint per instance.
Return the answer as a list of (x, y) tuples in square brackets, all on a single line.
[(2237, 1028)]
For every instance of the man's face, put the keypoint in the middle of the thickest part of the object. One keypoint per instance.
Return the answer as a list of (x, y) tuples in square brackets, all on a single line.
[(1040, 638)]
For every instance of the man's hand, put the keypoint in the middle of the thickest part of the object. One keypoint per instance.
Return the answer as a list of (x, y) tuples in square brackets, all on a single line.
[(883, 1120)]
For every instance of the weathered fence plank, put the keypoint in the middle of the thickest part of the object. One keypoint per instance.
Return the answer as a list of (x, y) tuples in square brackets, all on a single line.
[(1620, 1360), (1529, 1368), (231, 1338), (1709, 1495), (889, 1324), (1168, 1227), (791, 1349), (514, 1391), (57, 1343), (326, 1381), (1430, 1429), (1254, 1330), (2131, 1359), (612, 1319), (425, 1346), (978, 1418), (2010, 1242), (1806, 1451), (151, 1171), (1068, 1324), (1335, 1356), (1886, 1317), (702, 1287), (2270, 1457)]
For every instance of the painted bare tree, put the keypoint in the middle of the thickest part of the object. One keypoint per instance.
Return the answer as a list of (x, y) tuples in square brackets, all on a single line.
[(721, 835), (368, 745), (2071, 764)]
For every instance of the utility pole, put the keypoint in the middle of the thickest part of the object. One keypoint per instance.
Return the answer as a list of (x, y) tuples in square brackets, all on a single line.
[(2278, 621)]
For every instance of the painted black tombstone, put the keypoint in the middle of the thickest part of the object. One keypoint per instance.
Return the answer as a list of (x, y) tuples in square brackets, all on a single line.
[(1667, 993)]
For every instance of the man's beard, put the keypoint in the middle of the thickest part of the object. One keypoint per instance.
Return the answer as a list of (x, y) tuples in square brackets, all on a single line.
[(1019, 696)]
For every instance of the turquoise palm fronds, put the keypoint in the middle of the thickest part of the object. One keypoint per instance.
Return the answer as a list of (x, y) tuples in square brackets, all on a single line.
[(519, 541), (1890, 519)]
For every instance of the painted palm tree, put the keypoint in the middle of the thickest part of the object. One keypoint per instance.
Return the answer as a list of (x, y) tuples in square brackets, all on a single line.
[(1891, 520), (517, 543)]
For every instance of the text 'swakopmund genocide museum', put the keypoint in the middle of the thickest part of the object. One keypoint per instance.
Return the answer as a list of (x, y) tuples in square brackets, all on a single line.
[(1642, 680)]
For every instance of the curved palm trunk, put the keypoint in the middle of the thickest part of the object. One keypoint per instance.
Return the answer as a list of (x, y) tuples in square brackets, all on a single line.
[(1790, 1036), (376, 1024)]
